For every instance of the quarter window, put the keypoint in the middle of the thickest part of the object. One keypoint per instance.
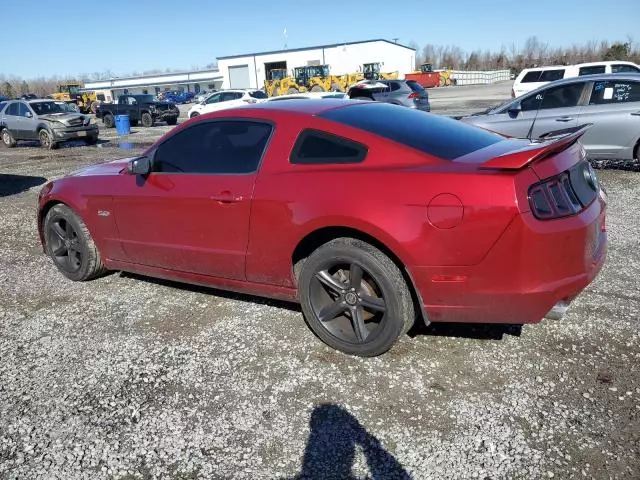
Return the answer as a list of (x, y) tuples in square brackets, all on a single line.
[(564, 96), (317, 147), (619, 91), (226, 147)]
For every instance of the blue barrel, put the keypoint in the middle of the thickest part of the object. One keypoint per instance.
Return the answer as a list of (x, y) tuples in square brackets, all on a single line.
[(123, 126)]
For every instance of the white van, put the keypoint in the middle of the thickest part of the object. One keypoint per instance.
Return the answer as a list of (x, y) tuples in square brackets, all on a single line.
[(532, 78)]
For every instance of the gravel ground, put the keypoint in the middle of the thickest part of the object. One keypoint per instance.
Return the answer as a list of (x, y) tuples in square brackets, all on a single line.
[(129, 377)]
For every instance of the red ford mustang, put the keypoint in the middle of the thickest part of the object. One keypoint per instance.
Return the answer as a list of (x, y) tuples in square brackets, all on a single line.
[(370, 215)]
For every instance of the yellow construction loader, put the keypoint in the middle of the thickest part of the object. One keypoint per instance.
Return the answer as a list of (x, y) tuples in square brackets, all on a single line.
[(372, 71), (70, 92)]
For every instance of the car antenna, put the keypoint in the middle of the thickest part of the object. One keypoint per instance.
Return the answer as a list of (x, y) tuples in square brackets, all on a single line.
[(539, 97)]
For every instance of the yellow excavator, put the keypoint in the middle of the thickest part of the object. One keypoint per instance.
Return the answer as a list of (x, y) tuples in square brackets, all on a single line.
[(69, 92)]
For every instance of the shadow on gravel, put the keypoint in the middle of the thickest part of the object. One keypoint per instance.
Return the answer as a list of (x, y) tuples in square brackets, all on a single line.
[(241, 297), (477, 331), (331, 448), (12, 184)]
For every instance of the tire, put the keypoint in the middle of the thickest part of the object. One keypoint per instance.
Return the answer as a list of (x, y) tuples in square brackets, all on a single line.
[(317, 88), (108, 120), (65, 233), (194, 115), (381, 283), (147, 119), (134, 123), (292, 91), (336, 88), (94, 106), (91, 140), (172, 121), (46, 140), (7, 138)]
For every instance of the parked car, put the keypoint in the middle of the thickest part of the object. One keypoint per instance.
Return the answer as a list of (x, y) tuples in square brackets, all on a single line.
[(368, 214), (531, 78), (176, 97), (45, 121), (140, 108), (202, 96), (407, 93), (227, 99), (309, 95), (611, 102)]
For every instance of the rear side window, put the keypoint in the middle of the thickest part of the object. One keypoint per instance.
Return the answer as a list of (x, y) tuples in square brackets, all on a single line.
[(592, 70), (316, 147), (431, 134), (618, 91), (415, 86), (531, 77)]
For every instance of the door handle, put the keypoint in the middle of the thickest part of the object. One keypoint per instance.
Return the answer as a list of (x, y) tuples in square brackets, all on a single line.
[(564, 119), (226, 197)]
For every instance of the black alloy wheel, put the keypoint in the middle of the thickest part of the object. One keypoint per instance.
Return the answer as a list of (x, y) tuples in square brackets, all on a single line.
[(355, 298), (70, 245)]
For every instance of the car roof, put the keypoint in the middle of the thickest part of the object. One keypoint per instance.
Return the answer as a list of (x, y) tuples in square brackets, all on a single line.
[(595, 78), (309, 106)]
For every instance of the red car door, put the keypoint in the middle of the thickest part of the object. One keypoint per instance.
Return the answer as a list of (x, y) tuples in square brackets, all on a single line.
[(191, 213)]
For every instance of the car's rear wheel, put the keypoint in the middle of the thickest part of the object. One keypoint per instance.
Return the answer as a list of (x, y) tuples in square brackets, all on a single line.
[(7, 138), (355, 298), (70, 245), (147, 120), (46, 140), (109, 121), (194, 115)]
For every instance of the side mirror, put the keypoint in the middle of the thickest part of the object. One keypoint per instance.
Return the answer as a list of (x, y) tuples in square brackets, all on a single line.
[(139, 166), (29, 115), (515, 109)]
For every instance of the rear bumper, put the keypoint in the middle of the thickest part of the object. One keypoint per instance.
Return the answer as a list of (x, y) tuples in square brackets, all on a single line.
[(531, 271)]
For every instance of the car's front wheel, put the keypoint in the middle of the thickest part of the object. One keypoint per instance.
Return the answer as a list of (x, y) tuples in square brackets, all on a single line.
[(70, 245), (46, 140), (354, 297), (147, 119)]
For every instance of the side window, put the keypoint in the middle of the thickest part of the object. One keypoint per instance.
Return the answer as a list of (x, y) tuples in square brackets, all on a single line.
[(606, 91), (564, 96), (624, 68), (317, 147), (226, 147), (551, 75), (531, 77), (213, 98), (22, 109), (594, 70), (12, 110), (226, 96), (395, 86)]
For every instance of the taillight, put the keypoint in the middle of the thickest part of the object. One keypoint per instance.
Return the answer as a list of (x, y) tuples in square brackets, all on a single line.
[(556, 197), (414, 96), (513, 93)]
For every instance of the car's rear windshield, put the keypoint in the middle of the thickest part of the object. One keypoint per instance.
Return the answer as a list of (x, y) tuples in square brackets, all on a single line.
[(258, 94), (435, 135), (415, 86)]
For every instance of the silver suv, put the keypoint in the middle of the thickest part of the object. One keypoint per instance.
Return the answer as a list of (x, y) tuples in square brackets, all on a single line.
[(45, 120), (407, 93)]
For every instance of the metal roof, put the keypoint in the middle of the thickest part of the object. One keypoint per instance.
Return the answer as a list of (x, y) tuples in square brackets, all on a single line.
[(302, 49)]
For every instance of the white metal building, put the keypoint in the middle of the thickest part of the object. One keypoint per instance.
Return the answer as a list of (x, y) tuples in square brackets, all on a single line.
[(250, 70), (185, 81)]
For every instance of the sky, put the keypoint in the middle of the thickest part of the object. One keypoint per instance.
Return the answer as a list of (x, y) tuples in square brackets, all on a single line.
[(123, 36)]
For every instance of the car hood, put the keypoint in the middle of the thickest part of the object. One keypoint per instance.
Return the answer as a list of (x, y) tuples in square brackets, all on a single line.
[(109, 168), (65, 118)]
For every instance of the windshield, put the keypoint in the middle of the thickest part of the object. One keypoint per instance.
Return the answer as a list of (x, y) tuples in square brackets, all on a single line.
[(45, 108)]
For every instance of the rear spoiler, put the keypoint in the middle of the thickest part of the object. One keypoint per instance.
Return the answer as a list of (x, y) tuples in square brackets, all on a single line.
[(534, 152)]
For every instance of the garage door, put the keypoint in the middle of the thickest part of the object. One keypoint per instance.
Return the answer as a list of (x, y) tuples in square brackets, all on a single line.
[(239, 76)]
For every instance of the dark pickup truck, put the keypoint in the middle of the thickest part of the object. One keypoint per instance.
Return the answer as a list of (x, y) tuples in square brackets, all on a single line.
[(140, 108)]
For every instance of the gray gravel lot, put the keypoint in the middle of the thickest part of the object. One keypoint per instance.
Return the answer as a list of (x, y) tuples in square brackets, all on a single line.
[(129, 377)]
